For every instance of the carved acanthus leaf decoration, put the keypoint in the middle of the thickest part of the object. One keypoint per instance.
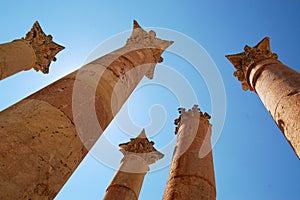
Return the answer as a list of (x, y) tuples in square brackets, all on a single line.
[(244, 60), (142, 147), (45, 49)]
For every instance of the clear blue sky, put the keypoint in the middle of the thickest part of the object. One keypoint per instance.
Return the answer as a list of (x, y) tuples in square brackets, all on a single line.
[(252, 158)]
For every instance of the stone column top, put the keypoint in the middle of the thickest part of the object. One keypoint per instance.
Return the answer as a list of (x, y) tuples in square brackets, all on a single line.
[(147, 39), (140, 38), (142, 147), (247, 59), (193, 113), (45, 49)]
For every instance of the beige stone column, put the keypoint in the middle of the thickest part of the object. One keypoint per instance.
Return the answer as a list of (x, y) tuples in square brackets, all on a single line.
[(191, 174), (277, 85), (36, 50), (41, 147), (128, 181)]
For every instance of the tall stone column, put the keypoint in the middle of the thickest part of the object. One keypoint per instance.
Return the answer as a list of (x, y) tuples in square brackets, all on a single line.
[(277, 85), (191, 175), (36, 50), (128, 181), (40, 145)]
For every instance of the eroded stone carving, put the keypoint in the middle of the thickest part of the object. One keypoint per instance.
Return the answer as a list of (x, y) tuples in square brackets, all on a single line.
[(45, 49), (142, 147), (251, 55), (149, 41), (191, 174), (194, 112)]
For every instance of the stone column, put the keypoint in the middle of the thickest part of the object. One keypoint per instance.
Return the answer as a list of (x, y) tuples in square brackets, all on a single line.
[(277, 85), (40, 145), (128, 181), (36, 50), (191, 174)]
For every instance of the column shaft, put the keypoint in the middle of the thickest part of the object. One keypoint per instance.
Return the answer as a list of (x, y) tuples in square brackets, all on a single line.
[(277, 85), (128, 181), (190, 176), (15, 56)]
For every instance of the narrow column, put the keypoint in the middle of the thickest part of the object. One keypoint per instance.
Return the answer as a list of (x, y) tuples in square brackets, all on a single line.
[(36, 50), (277, 85), (41, 147), (191, 175), (128, 181)]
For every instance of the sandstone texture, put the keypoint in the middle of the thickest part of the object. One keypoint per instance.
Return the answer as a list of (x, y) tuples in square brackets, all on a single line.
[(191, 174), (48, 134), (36, 50), (277, 85), (128, 181)]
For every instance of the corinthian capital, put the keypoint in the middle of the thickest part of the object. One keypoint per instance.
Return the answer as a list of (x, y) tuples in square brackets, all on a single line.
[(45, 49), (243, 61), (142, 147)]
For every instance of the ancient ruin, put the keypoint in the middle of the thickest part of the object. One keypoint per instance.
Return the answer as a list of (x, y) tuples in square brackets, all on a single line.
[(46, 135), (277, 85), (128, 180), (191, 176)]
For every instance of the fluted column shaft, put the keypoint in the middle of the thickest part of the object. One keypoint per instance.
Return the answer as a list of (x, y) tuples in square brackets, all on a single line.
[(191, 176)]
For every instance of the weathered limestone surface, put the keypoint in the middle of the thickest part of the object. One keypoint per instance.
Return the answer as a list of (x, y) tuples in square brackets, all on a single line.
[(33, 161), (36, 50), (42, 147), (128, 181), (277, 85), (190, 176)]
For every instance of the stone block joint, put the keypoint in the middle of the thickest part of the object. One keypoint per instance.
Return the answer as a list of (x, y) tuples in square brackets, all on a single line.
[(127, 182)]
